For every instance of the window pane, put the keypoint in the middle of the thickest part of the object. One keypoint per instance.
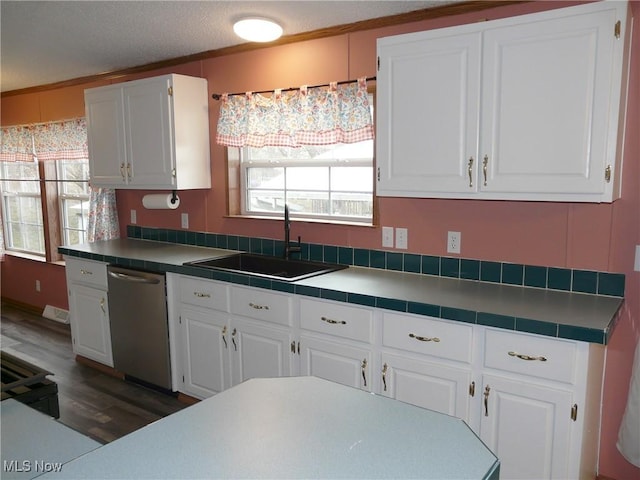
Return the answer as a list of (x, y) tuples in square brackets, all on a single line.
[(314, 203), (24, 224), (352, 205), (76, 213), (16, 173), (76, 177), (265, 178), (355, 179), (265, 200), (308, 178)]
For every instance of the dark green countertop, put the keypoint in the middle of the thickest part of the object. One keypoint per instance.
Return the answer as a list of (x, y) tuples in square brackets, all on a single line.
[(576, 316)]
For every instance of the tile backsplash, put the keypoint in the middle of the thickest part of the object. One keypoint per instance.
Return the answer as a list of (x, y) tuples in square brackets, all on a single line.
[(553, 278)]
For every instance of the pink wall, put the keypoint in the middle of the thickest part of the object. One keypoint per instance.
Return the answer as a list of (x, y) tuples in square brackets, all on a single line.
[(586, 236)]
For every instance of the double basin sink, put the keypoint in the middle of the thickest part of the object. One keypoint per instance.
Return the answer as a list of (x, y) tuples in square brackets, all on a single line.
[(267, 266)]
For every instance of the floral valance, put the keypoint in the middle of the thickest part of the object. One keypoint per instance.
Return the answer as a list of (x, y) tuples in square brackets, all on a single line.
[(308, 116), (46, 141)]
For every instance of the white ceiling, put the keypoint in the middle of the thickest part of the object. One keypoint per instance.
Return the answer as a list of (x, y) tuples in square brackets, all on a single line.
[(43, 42)]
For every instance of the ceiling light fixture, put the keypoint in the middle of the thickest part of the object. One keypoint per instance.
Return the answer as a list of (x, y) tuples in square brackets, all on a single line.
[(257, 29)]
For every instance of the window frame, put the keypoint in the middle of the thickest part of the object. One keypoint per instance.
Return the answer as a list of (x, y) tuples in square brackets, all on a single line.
[(236, 187), (52, 217)]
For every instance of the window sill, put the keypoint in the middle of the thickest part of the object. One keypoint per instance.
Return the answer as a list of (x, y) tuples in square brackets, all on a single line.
[(304, 220), (28, 256)]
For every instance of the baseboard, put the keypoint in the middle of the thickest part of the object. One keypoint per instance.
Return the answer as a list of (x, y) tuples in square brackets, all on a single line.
[(25, 307), (112, 372), (602, 477), (189, 400)]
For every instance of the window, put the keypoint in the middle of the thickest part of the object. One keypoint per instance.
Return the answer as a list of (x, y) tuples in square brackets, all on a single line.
[(24, 188), (320, 182), (331, 183), (73, 197), (22, 208)]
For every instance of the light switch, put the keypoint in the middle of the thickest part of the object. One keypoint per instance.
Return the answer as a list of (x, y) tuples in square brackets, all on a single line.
[(185, 220), (134, 217)]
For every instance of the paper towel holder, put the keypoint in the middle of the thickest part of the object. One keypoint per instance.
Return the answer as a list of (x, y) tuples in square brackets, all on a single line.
[(174, 197)]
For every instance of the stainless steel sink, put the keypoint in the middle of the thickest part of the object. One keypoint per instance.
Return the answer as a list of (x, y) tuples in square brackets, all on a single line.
[(268, 266)]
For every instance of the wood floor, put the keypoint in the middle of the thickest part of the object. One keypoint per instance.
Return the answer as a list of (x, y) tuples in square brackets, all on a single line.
[(98, 405)]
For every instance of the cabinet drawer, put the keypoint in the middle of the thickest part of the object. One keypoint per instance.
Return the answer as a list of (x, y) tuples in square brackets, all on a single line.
[(87, 272), (428, 336), (204, 293), (340, 320), (261, 305), (531, 355)]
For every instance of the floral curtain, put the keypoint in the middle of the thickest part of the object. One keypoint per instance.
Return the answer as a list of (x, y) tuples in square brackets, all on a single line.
[(64, 140), (308, 116), (16, 144), (103, 215)]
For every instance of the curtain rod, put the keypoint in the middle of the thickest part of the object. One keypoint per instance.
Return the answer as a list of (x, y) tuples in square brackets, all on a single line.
[(218, 96)]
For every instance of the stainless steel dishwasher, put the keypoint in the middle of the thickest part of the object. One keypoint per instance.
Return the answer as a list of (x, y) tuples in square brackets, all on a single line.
[(139, 329)]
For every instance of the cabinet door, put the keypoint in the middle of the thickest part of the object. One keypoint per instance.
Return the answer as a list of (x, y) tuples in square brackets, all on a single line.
[(205, 352), (89, 318), (547, 93), (340, 363), (528, 427), (149, 133), (259, 351), (427, 113), (105, 136), (427, 384)]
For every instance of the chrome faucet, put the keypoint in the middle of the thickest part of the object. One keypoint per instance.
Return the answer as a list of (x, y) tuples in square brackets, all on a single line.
[(288, 248)]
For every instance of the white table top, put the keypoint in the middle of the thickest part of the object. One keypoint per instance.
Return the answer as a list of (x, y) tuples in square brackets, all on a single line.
[(34, 443), (293, 427)]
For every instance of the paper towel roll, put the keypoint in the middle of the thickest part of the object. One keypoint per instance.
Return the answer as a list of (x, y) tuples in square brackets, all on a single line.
[(159, 201)]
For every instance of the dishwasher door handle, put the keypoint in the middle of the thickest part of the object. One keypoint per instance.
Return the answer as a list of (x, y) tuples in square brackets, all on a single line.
[(133, 278)]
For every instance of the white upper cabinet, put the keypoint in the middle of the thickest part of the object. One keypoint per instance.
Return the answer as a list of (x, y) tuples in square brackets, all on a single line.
[(149, 134), (522, 108)]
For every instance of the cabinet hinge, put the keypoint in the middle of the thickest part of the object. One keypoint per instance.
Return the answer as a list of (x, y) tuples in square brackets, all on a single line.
[(378, 173), (170, 91), (180, 319), (617, 29), (378, 63), (607, 173), (182, 378)]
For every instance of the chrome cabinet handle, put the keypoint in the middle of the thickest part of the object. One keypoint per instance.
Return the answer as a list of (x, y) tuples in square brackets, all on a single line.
[(487, 389), (485, 161), (102, 302), (364, 374), (333, 322), (470, 171), (233, 339), (86, 272), (259, 307), (574, 412), (384, 377), (122, 170), (224, 336), (522, 356), (129, 171), (472, 389), (424, 339), (202, 295)]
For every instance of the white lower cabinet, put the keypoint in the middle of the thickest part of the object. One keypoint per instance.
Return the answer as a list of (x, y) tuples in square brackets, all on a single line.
[(427, 384), (89, 309), (528, 427), (335, 361), (336, 342), (259, 350), (205, 357), (534, 400)]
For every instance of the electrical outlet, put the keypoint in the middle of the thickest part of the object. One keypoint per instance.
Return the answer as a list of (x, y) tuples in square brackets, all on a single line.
[(37, 285), (387, 237), (453, 242), (401, 238), (636, 265), (185, 220), (134, 217)]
